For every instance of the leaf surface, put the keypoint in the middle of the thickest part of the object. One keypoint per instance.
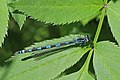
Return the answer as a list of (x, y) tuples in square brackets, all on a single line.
[(19, 18), (113, 14), (59, 11), (106, 61), (3, 20), (48, 67), (82, 74)]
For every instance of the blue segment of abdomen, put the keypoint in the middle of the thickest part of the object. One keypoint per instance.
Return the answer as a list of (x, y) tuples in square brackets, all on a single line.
[(57, 45), (48, 46), (67, 43), (39, 48)]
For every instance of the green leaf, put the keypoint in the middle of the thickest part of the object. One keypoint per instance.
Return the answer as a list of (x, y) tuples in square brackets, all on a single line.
[(19, 18), (85, 21), (106, 61), (82, 74), (47, 68), (3, 20), (59, 11), (11, 1), (113, 14)]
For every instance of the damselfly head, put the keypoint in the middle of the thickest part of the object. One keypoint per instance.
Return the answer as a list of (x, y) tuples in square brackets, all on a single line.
[(82, 40), (87, 39)]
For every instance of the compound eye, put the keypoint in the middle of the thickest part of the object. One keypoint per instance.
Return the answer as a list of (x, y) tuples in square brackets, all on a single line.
[(87, 38)]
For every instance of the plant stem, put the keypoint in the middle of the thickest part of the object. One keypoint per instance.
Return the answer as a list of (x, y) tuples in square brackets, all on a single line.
[(99, 26), (88, 58), (87, 62)]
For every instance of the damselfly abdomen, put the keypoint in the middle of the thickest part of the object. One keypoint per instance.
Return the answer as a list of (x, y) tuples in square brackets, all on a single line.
[(77, 41)]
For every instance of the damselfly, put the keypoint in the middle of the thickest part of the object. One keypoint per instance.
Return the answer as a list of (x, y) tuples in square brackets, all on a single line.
[(77, 41)]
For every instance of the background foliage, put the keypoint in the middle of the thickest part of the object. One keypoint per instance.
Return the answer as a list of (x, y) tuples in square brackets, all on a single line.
[(44, 22)]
